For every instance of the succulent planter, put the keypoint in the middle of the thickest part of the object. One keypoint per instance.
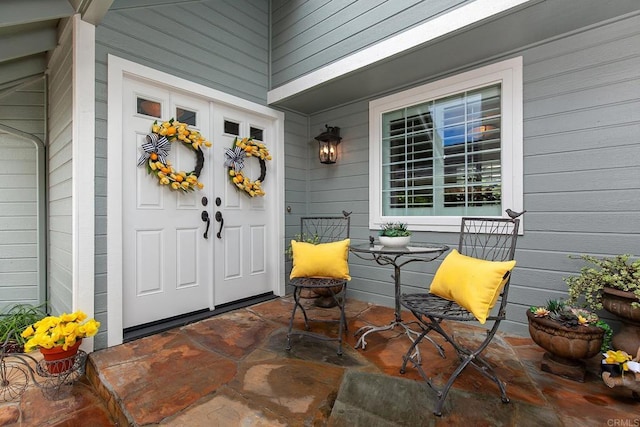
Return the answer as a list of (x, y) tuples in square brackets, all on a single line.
[(565, 347), (394, 242)]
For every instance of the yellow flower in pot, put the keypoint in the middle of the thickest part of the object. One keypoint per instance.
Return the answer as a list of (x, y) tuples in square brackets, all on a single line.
[(64, 331), (58, 338)]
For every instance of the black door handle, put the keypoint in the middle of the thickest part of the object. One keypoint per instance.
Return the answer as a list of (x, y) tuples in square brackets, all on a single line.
[(221, 221), (205, 218)]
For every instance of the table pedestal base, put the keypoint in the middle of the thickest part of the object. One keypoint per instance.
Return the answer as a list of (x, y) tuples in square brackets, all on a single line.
[(366, 330)]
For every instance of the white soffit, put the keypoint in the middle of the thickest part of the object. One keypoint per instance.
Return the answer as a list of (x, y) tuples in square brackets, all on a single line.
[(445, 24)]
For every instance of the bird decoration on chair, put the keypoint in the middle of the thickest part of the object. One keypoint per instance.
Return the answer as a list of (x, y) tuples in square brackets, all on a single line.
[(346, 214), (513, 214)]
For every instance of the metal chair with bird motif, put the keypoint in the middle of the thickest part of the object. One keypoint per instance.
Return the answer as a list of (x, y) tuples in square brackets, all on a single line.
[(466, 286), (320, 239)]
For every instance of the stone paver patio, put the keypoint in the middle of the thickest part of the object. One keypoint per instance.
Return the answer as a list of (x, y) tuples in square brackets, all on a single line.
[(232, 370)]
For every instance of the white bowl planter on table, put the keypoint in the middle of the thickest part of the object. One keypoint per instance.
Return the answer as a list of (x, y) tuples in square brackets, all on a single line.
[(394, 242)]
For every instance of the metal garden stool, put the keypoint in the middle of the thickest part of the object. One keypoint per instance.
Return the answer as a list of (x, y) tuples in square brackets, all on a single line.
[(321, 230), (483, 239)]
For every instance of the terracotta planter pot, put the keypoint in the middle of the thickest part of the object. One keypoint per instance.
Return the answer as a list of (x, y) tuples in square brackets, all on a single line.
[(565, 347), (59, 360), (325, 299), (619, 303)]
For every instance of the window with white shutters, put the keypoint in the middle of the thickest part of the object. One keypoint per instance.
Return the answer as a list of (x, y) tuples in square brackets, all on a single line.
[(448, 149)]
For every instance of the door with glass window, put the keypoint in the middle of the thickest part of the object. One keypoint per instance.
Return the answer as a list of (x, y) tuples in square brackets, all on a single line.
[(167, 261), (244, 225), (190, 251)]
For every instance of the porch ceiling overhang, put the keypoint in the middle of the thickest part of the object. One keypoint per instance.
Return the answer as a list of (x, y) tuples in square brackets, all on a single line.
[(496, 36), (29, 29)]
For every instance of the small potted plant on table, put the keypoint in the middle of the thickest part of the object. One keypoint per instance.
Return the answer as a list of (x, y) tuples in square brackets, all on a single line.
[(394, 235)]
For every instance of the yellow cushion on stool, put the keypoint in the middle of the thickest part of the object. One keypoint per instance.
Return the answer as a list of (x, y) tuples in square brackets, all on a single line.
[(473, 283), (326, 260)]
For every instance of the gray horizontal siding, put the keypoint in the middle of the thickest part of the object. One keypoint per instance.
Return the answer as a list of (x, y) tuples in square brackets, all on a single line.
[(20, 276), (19, 261), (308, 35), (581, 168), (296, 163), (23, 109), (296, 159), (219, 44)]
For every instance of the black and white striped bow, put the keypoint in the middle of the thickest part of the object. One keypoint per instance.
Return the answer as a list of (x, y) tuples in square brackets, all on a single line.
[(155, 144), (235, 157)]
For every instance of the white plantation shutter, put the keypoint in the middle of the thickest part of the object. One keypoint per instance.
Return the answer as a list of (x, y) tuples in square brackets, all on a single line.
[(443, 156)]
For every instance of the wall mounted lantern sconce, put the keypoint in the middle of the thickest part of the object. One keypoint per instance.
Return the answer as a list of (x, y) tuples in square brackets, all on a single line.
[(328, 144)]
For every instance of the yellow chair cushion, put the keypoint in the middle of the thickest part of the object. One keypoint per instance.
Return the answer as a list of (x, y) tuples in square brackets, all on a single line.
[(473, 283), (325, 260)]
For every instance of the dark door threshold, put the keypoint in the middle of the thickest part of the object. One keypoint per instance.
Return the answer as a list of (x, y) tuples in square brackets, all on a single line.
[(152, 328)]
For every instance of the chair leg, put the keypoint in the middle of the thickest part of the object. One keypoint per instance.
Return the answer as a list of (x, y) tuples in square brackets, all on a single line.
[(339, 298), (480, 363), (485, 369), (409, 354), (296, 299), (469, 357), (293, 315), (342, 322), (342, 307), (296, 304)]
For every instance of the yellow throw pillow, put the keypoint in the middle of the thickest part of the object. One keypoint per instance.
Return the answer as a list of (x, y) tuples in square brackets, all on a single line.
[(473, 283), (327, 260)]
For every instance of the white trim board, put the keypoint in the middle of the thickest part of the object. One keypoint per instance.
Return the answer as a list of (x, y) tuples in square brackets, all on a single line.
[(426, 32), (83, 164), (118, 68)]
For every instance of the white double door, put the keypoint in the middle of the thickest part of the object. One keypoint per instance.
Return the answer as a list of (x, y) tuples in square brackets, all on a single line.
[(169, 267)]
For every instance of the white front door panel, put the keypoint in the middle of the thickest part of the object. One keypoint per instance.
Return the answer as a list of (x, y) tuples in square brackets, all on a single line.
[(244, 253), (167, 268)]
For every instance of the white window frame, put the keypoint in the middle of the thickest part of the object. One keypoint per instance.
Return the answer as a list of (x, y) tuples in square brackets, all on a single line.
[(509, 74)]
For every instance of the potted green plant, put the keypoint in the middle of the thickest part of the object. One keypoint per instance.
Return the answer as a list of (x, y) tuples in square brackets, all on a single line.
[(13, 320), (315, 239), (612, 283), (394, 234), (569, 335)]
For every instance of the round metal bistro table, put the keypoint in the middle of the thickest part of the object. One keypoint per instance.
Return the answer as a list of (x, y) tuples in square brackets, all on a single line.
[(397, 257)]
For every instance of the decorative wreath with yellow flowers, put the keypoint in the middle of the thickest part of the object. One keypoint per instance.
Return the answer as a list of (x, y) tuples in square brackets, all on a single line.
[(156, 148), (234, 160)]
